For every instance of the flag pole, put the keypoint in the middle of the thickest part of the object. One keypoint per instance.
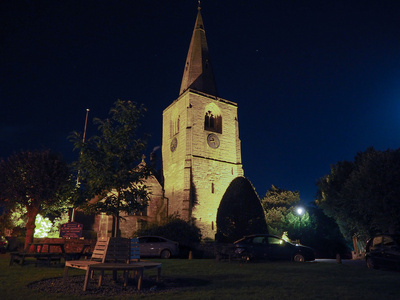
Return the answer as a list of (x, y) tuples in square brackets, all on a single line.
[(84, 129), (83, 142)]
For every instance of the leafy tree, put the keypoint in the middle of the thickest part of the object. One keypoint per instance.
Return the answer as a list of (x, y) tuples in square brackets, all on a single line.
[(313, 228), (323, 234), (240, 212), (110, 179), (280, 215), (39, 181), (14, 218), (363, 196)]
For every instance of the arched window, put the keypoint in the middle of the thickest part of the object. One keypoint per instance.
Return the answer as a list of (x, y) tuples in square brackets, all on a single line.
[(212, 122), (174, 126)]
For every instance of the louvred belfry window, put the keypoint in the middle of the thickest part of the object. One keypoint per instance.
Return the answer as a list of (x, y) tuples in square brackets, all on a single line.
[(212, 122)]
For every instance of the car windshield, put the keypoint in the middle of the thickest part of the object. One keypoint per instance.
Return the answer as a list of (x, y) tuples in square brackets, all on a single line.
[(272, 240)]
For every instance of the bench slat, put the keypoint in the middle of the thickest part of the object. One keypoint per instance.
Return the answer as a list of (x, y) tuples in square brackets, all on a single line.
[(113, 254)]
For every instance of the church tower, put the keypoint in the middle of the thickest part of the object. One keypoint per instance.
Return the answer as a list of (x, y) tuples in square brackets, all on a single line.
[(200, 143)]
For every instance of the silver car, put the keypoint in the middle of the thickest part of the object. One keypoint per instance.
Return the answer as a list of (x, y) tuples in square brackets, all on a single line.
[(157, 246)]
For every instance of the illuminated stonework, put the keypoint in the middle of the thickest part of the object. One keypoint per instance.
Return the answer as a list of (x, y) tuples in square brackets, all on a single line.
[(196, 174), (200, 143)]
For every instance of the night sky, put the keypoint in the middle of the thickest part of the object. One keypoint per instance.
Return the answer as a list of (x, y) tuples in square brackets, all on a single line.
[(315, 81)]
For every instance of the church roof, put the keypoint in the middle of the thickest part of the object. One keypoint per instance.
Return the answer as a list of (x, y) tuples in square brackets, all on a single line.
[(198, 73)]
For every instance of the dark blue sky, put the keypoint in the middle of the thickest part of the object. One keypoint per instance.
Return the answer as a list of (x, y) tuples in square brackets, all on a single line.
[(315, 81)]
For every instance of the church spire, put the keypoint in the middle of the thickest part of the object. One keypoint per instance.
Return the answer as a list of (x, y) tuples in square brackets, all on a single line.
[(198, 74)]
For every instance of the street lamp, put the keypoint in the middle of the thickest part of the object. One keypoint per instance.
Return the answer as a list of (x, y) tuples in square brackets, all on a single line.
[(300, 211)]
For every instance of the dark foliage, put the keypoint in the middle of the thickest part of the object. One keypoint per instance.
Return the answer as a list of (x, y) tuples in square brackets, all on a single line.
[(322, 233), (240, 212), (363, 196), (185, 233)]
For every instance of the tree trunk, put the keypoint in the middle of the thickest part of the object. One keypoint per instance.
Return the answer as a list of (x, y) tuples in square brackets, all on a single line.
[(116, 216), (32, 212), (116, 227)]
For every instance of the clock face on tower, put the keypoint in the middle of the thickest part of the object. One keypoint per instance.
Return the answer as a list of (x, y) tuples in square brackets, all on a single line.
[(174, 144), (213, 140)]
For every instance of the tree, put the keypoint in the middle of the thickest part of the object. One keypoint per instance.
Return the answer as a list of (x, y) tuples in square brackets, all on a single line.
[(110, 177), (39, 181), (363, 196), (240, 212), (280, 215), (323, 234), (313, 228)]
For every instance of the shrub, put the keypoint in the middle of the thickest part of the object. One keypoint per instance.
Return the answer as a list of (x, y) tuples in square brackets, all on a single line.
[(185, 233), (240, 212)]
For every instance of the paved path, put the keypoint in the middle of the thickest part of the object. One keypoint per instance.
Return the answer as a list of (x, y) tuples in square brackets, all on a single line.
[(351, 262)]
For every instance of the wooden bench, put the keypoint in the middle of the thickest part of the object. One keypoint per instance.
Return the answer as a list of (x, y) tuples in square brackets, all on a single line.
[(113, 254), (137, 267), (98, 256), (134, 250)]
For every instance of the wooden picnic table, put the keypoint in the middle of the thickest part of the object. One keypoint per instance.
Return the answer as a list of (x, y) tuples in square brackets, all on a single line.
[(44, 256), (137, 267), (39, 247), (39, 253), (46, 252)]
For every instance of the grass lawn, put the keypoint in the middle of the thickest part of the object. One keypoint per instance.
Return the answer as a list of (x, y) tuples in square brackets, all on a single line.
[(209, 279)]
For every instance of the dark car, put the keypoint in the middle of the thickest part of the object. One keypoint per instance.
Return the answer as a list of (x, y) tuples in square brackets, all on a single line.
[(266, 246), (3, 244), (157, 246), (383, 251)]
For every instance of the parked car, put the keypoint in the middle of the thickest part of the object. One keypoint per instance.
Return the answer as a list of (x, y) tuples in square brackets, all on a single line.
[(157, 246), (3, 244), (383, 250), (266, 246)]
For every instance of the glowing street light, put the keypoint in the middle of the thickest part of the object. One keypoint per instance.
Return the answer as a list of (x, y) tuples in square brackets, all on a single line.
[(300, 211)]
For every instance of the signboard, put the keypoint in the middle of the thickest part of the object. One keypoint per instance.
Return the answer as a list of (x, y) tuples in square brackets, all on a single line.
[(71, 230)]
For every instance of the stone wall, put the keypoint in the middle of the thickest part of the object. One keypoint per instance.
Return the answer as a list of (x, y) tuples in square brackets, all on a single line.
[(156, 211), (196, 174)]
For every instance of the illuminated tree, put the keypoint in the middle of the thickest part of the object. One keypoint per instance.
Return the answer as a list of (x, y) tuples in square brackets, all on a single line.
[(280, 215), (110, 177), (39, 181), (312, 228)]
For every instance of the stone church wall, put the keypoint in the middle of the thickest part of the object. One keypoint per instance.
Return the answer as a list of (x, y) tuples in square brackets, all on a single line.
[(211, 179), (129, 224), (197, 175)]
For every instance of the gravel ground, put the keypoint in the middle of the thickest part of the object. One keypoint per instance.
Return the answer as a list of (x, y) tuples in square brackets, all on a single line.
[(109, 287)]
